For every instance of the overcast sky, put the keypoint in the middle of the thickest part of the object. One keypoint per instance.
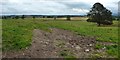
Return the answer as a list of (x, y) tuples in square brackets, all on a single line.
[(53, 7)]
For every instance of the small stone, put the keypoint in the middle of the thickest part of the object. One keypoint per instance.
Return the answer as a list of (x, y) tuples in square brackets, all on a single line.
[(46, 43), (55, 52), (68, 43), (87, 50), (74, 43), (23, 54), (77, 47), (90, 45), (51, 29), (41, 41), (45, 54), (26, 47), (72, 46), (104, 48)]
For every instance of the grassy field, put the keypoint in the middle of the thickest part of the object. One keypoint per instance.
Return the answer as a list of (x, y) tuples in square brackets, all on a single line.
[(17, 34)]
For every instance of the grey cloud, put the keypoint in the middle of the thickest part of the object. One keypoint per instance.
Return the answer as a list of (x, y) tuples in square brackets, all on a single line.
[(76, 5), (45, 7)]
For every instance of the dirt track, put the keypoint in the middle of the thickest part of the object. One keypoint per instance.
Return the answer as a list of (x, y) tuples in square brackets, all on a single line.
[(56, 44)]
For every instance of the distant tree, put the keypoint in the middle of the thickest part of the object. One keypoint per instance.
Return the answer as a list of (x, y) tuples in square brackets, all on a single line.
[(33, 17), (23, 16), (43, 16), (4, 17), (55, 17), (13, 17), (100, 15), (16, 17), (68, 18)]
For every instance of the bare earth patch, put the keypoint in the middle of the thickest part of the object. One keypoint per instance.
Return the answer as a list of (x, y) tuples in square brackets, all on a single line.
[(57, 43)]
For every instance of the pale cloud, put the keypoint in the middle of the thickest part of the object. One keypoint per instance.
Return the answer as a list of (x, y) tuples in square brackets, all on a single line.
[(81, 11), (79, 7)]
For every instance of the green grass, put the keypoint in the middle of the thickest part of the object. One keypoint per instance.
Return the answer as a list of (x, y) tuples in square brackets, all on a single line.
[(98, 46), (17, 34), (112, 50), (0, 35), (67, 54)]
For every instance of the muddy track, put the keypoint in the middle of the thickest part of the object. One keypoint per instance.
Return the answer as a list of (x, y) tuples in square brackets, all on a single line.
[(56, 44)]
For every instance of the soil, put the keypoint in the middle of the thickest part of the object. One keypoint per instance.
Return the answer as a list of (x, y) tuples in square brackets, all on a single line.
[(57, 43)]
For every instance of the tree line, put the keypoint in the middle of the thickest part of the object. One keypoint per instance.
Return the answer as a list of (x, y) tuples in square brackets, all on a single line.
[(68, 17)]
